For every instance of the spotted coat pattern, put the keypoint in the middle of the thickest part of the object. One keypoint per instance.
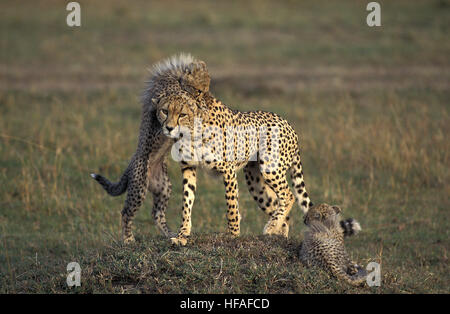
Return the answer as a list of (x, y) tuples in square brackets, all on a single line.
[(261, 142), (323, 244)]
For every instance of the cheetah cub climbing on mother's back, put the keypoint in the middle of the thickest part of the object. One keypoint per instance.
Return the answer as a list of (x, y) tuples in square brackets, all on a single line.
[(323, 244)]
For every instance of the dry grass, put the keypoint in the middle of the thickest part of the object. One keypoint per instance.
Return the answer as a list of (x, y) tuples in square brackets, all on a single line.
[(371, 107)]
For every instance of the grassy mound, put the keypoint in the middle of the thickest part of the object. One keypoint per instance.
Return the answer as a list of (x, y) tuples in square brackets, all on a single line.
[(210, 263)]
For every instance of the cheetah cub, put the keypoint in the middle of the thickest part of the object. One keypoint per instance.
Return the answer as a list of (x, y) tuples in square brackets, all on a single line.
[(323, 243)]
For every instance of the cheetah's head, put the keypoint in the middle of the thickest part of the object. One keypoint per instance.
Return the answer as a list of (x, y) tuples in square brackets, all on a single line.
[(177, 113), (176, 91), (321, 213)]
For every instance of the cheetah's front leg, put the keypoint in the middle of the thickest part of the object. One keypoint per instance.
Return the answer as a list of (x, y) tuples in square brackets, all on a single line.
[(189, 186), (231, 194)]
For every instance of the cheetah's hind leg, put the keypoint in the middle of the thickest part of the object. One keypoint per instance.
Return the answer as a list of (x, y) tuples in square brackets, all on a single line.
[(278, 223), (161, 188), (264, 196)]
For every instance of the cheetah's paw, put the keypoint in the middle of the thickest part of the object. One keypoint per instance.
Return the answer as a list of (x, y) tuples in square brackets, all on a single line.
[(179, 240), (129, 240), (285, 229), (273, 227)]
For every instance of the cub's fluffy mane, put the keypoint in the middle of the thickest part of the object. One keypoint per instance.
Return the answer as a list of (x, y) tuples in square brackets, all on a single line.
[(179, 72), (175, 65)]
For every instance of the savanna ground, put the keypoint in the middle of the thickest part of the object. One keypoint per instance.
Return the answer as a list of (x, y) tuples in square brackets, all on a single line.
[(371, 106)]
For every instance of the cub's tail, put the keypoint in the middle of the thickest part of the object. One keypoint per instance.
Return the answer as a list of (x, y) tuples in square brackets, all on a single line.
[(357, 279), (113, 188), (350, 227), (299, 184)]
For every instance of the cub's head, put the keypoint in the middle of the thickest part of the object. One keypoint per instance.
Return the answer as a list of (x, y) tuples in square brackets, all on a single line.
[(321, 213), (176, 113)]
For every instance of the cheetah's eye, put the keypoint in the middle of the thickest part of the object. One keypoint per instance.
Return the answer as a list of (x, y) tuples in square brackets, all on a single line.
[(182, 115), (164, 112)]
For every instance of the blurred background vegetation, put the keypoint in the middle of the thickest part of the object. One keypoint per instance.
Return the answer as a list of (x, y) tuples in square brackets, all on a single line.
[(371, 106)]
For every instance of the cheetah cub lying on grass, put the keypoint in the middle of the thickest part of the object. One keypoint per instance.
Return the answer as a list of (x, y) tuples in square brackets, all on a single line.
[(323, 243)]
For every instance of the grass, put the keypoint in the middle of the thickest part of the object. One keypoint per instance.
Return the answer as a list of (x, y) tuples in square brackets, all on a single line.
[(370, 106)]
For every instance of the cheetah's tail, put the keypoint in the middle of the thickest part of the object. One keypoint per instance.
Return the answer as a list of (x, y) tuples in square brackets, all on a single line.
[(357, 279), (299, 184), (350, 227), (113, 188)]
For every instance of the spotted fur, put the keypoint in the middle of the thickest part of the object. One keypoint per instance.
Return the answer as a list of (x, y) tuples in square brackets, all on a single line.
[(262, 143), (323, 244)]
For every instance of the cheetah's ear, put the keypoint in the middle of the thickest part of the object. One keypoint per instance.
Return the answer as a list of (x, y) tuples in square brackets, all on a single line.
[(336, 209)]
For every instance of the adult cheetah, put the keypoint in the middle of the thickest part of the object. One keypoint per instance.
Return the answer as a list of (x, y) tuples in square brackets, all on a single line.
[(323, 244), (147, 169), (210, 134)]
